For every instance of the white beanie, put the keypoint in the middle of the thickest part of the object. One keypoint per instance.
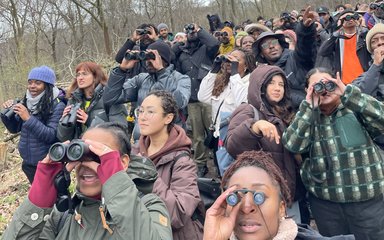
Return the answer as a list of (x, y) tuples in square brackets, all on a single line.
[(378, 28)]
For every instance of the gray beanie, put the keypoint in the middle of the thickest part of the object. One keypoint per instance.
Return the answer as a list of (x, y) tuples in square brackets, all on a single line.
[(162, 26), (42, 73)]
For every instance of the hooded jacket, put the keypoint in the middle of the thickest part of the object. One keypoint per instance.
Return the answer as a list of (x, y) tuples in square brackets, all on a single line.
[(242, 138), (177, 182), (96, 114), (131, 214), (295, 63)]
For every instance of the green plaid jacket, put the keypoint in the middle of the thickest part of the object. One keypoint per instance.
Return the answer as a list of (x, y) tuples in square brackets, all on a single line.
[(342, 163)]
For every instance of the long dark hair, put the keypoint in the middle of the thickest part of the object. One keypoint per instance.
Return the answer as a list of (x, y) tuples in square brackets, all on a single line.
[(222, 78), (282, 109), (46, 104)]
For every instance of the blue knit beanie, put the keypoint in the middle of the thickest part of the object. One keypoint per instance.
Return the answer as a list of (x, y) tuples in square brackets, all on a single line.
[(42, 73)]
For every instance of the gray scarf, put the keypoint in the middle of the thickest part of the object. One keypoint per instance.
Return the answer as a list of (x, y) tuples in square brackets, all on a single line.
[(32, 102)]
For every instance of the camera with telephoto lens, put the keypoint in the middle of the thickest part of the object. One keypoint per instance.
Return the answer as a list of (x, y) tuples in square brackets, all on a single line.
[(143, 31), (71, 152), (189, 28), (142, 56), (234, 197), (321, 86), (71, 118), (9, 112), (221, 59)]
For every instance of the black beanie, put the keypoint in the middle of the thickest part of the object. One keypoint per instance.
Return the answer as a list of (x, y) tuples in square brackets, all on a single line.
[(163, 49)]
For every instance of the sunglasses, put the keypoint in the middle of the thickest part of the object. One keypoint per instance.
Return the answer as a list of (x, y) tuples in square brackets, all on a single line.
[(350, 17), (266, 45)]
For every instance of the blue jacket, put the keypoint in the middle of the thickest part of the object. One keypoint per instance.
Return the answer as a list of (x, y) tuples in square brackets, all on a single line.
[(36, 137)]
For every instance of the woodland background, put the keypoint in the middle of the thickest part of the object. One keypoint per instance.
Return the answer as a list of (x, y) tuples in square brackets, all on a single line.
[(62, 33)]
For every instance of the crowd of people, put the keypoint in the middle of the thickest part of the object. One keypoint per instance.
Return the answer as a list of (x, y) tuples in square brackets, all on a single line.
[(288, 109)]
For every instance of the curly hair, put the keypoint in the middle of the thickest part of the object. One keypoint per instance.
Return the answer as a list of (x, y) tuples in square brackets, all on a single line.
[(222, 78), (168, 103), (263, 160), (100, 77)]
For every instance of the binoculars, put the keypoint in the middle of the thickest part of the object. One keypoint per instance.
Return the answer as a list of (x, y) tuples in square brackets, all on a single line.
[(221, 59), (70, 119), (321, 87), (9, 112), (189, 28), (142, 56), (143, 31), (221, 34), (234, 197), (72, 152)]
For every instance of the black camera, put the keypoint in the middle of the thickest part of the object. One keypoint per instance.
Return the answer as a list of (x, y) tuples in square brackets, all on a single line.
[(72, 152), (9, 112), (143, 31), (142, 56), (221, 59), (234, 197), (70, 119), (189, 28), (321, 86)]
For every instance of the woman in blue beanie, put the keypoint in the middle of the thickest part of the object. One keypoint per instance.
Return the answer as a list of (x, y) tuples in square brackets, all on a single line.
[(36, 116)]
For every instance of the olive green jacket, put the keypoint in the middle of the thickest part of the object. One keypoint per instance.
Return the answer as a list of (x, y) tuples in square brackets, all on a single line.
[(130, 214)]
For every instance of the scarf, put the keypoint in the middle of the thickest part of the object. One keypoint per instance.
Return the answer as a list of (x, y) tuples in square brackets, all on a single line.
[(32, 102), (287, 230)]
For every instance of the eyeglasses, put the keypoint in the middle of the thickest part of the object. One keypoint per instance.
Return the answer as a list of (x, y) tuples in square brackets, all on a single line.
[(145, 113), (272, 42), (79, 74)]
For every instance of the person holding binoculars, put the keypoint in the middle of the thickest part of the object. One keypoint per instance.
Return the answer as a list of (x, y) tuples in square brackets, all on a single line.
[(226, 87), (143, 36), (253, 204), (36, 116), (342, 169), (161, 75), (113, 198), (85, 107), (227, 40)]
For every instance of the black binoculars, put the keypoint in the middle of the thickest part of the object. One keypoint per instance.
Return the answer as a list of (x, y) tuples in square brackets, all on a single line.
[(9, 112), (321, 86), (234, 197), (143, 31), (355, 16), (142, 56), (189, 28), (70, 119), (221, 34), (221, 59), (71, 152)]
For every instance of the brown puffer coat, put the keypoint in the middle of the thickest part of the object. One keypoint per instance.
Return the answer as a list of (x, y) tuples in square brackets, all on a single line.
[(242, 138), (176, 184)]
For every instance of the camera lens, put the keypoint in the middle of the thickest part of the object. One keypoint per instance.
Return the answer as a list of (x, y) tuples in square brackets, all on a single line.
[(258, 198), (57, 152), (232, 199), (76, 151)]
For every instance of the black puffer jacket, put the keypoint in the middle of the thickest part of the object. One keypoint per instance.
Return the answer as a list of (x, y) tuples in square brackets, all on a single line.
[(96, 114), (195, 60)]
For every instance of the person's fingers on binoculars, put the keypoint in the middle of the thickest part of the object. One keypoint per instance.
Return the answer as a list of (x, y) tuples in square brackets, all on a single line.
[(46, 159), (98, 148), (220, 202), (71, 165)]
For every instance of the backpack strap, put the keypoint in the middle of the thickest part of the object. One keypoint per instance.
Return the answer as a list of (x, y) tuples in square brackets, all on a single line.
[(183, 154), (61, 222)]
